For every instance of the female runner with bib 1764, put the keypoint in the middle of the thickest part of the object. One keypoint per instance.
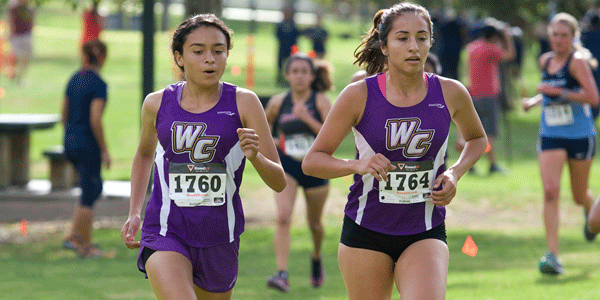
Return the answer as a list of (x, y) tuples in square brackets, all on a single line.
[(567, 133), (199, 133), (393, 230)]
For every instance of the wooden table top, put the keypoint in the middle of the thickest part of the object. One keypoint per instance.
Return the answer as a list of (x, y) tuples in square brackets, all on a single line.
[(26, 122)]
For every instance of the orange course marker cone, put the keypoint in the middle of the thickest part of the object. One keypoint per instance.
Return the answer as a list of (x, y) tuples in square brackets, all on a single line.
[(489, 148), (470, 248), (1, 52), (24, 227)]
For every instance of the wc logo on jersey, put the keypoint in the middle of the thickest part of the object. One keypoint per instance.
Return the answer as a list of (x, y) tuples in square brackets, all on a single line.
[(189, 137), (407, 134)]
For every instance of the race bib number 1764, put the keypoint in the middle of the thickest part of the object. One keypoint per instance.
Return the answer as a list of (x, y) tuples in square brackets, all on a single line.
[(409, 183)]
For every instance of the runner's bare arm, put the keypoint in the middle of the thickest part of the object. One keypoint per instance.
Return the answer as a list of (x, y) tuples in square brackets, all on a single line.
[(467, 122), (588, 93), (345, 113), (256, 141), (465, 117), (272, 108), (140, 170)]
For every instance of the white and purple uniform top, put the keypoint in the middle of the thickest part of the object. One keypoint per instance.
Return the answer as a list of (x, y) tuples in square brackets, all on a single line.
[(208, 142), (414, 139)]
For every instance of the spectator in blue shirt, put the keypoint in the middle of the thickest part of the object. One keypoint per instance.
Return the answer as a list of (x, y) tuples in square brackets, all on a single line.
[(84, 142), (318, 35), (287, 35)]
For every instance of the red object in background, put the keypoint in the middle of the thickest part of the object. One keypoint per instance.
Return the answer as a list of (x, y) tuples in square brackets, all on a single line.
[(312, 54), (93, 23), (295, 49), (24, 227), (1, 52), (470, 248), (250, 62)]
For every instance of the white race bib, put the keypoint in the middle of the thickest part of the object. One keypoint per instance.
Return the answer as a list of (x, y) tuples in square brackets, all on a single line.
[(409, 183), (195, 184), (297, 145), (558, 114)]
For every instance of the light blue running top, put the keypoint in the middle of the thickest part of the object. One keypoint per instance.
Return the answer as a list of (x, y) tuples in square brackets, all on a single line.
[(562, 118)]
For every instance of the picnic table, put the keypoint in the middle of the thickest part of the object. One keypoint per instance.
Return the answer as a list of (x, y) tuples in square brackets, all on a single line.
[(15, 131)]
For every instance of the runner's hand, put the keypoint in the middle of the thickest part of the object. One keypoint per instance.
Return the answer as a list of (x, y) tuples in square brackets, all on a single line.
[(249, 142), (106, 159), (447, 182), (377, 165), (129, 231), (526, 104), (301, 111)]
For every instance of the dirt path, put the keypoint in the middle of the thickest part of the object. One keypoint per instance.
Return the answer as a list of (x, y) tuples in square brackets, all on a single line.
[(260, 212), (259, 209)]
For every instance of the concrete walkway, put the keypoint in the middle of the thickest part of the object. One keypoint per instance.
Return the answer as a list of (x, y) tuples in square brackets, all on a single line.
[(36, 202)]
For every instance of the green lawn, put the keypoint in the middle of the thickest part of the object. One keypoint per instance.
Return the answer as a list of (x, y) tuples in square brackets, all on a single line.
[(504, 268)]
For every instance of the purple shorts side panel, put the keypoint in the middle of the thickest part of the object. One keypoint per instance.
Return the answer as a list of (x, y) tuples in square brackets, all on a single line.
[(215, 268)]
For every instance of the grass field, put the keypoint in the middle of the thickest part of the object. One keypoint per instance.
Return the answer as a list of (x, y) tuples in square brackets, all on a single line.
[(501, 213), (504, 268)]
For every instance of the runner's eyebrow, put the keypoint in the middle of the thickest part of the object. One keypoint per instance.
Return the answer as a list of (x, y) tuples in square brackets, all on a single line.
[(204, 45), (406, 32)]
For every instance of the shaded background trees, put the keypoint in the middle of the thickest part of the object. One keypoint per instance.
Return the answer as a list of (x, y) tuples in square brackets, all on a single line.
[(528, 10), (205, 6)]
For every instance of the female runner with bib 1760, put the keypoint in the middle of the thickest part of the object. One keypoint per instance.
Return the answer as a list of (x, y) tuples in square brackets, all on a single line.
[(199, 133), (393, 230)]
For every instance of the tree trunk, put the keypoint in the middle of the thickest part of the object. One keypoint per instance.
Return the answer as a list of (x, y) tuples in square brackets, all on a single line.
[(164, 24), (193, 7), (291, 4), (119, 15)]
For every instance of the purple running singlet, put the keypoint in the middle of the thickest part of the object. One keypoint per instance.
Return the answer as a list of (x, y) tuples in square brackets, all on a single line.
[(198, 171), (414, 139)]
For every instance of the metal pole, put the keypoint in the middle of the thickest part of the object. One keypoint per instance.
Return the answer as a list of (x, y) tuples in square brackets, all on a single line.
[(250, 47), (552, 8), (253, 14), (148, 28), (164, 24)]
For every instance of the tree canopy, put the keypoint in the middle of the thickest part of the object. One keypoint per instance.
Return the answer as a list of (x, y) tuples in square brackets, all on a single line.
[(530, 10)]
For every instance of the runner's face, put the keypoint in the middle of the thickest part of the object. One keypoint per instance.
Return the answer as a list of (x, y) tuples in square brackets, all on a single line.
[(299, 75), (204, 55), (561, 38), (408, 43)]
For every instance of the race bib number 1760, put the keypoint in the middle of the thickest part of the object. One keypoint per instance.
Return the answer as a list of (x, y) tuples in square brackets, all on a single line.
[(195, 184)]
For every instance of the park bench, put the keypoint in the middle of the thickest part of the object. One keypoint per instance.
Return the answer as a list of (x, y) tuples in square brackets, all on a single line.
[(62, 173), (15, 132)]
